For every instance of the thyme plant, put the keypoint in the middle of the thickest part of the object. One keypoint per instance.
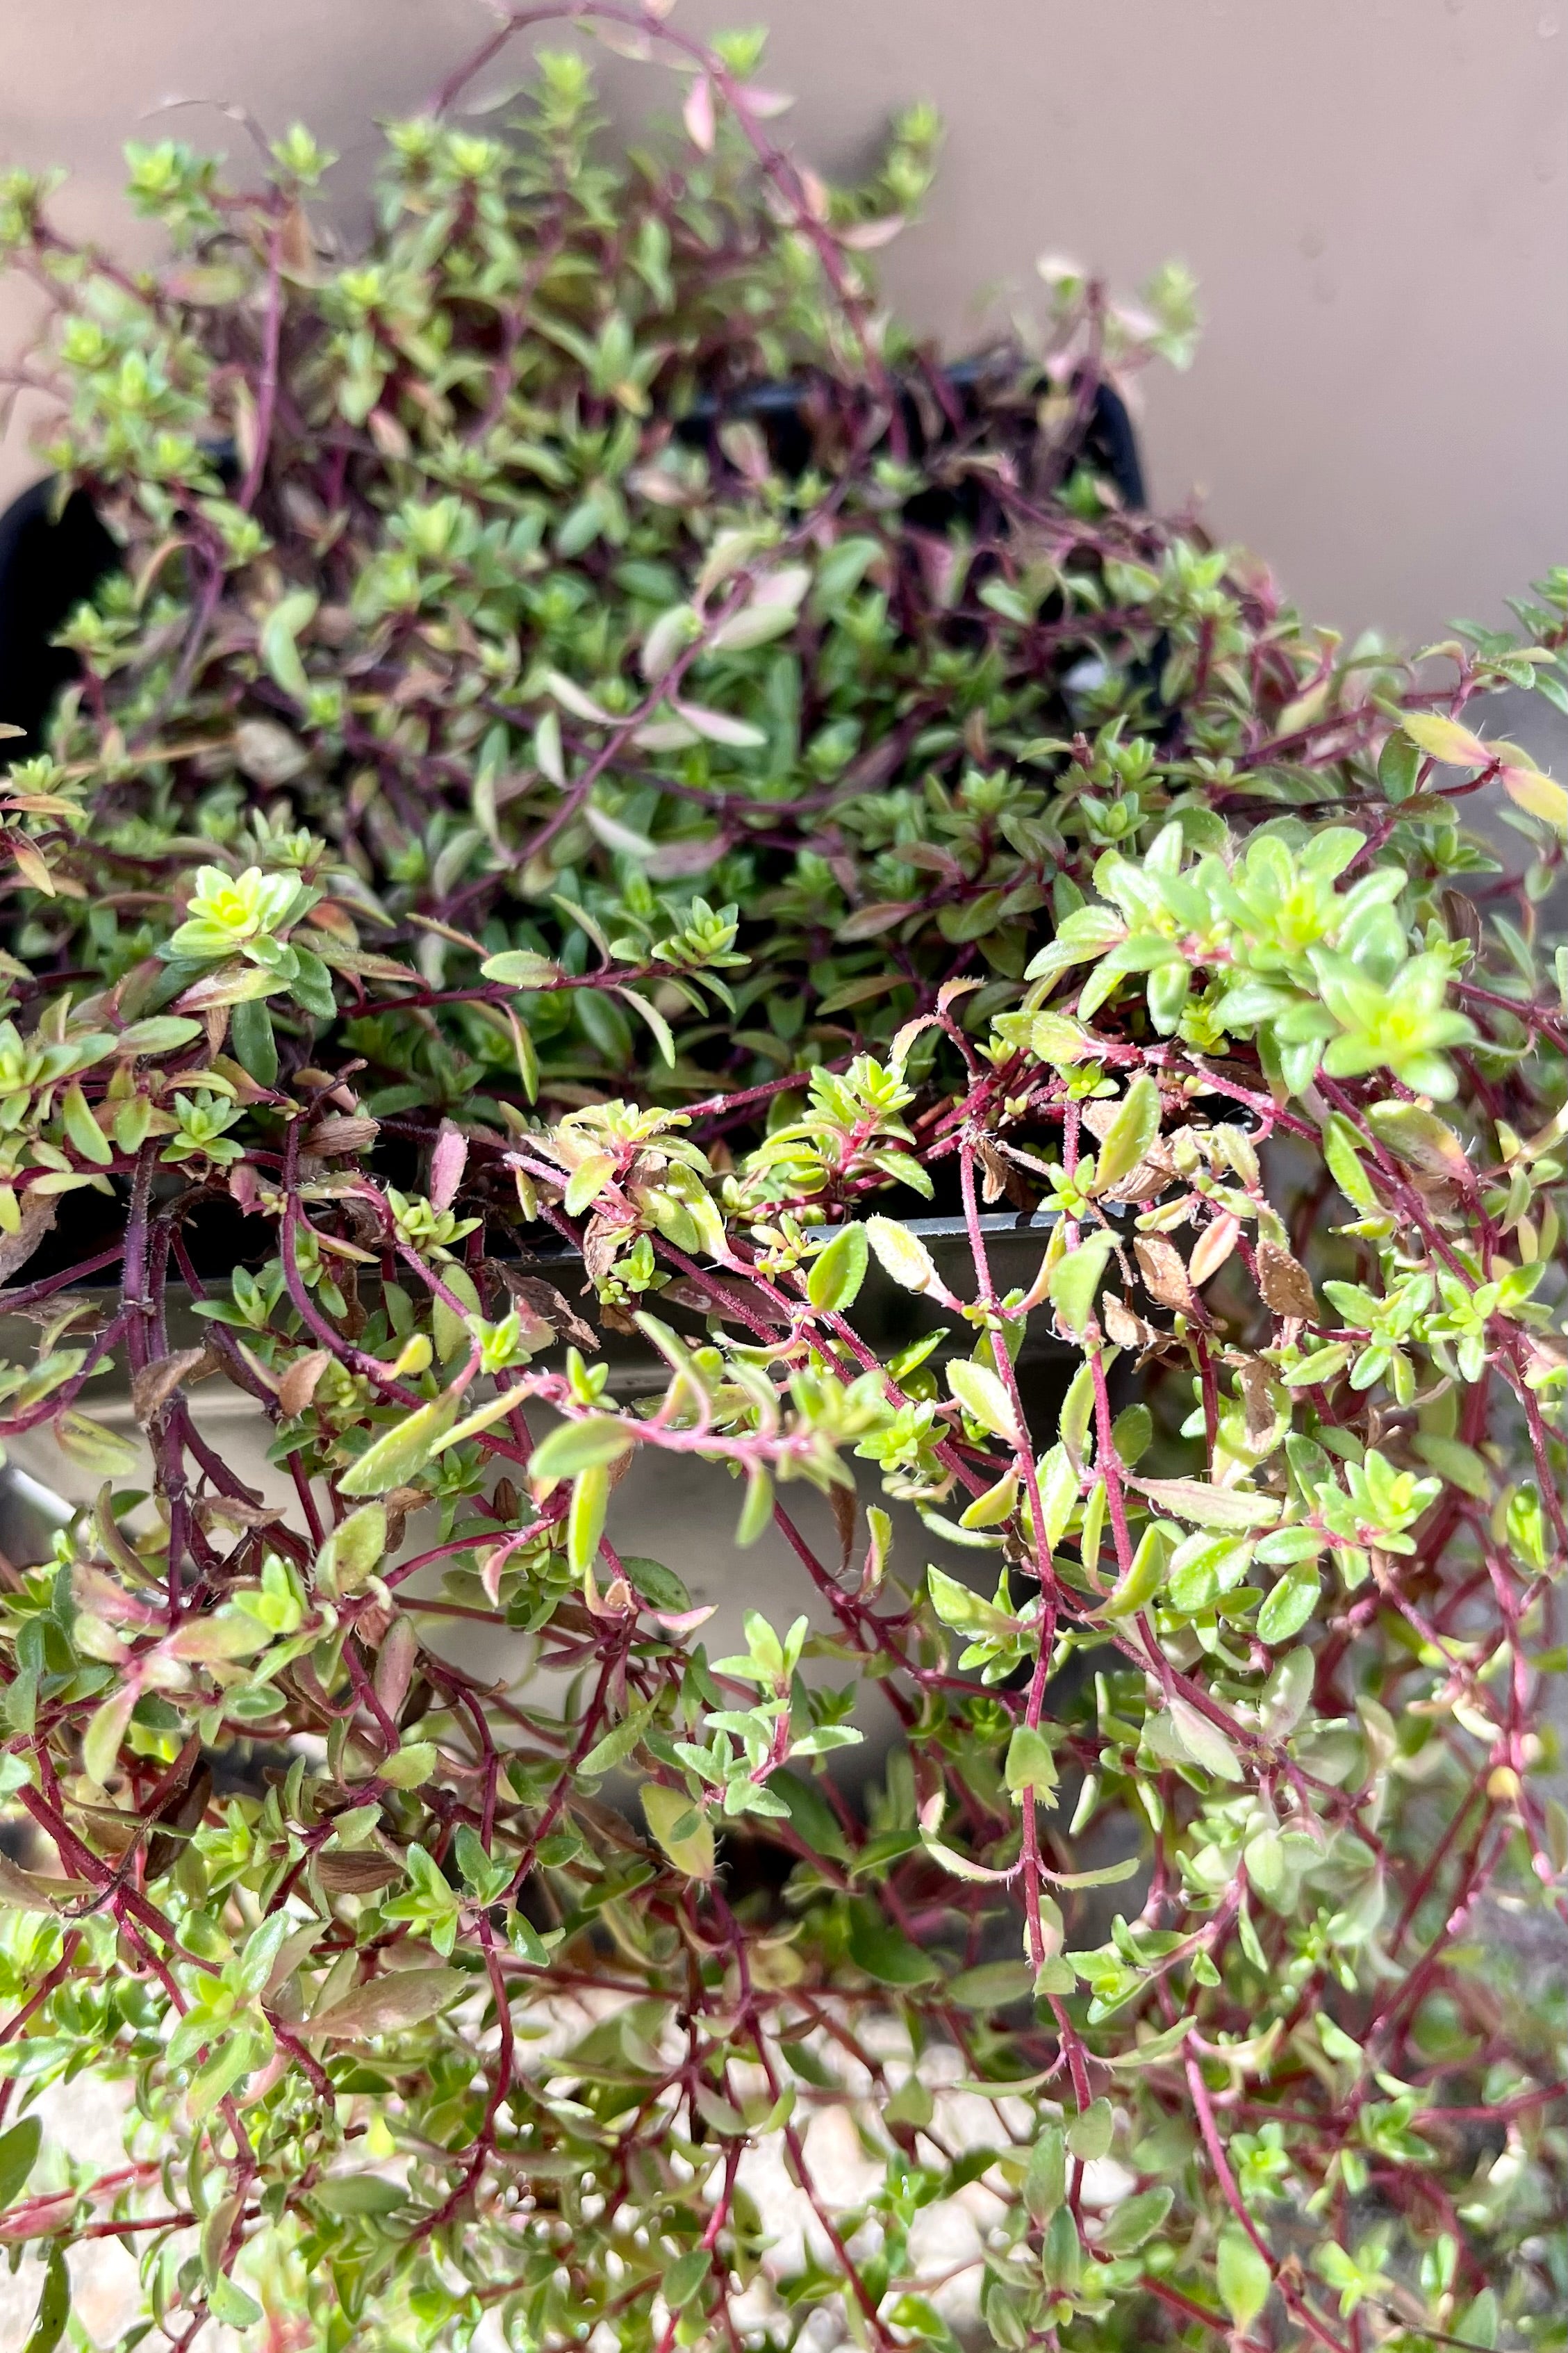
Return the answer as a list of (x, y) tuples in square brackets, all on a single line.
[(500, 813)]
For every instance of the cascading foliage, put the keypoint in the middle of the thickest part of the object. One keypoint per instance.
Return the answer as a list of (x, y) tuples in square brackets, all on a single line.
[(489, 817)]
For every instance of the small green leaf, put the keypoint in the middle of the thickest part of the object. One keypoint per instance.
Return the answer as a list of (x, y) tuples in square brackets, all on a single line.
[(523, 969), (1055, 1040), (105, 1730), (1203, 1506), (1145, 1573), (18, 2154), (758, 625), (838, 1270), (1077, 1409), (353, 1551), (685, 2277), (1341, 1150), (102, 1452), (1089, 2134), (1031, 1763), (229, 2065), (1159, 2047), (1131, 1134), (278, 648), (1075, 1280), (448, 1329), (254, 1044), (585, 1518), (1538, 795), (410, 1766), (1446, 741), (1132, 1433), (1109, 1874), (547, 751), (1288, 1605), (162, 1033), (1134, 2222), (964, 1612), (1046, 2174), (249, 1974), (1478, 2324), (1203, 1741), (980, 1393), (572, 698), (992, 1986), (659, 1585), (669, 636), (575, 1446), (1398, 766), (912, 2103), (1420, 1137), (885, 1952), (720, 727), (54, 2303), (1460, 1464), (620, 1740), (997, 1503), (682, 1829), (83, 1129), (811, 1815), (1244, 2278), (757, 1511), (904, 1255), (664, 1037), (587, 1181), (360, 2193), (402, 1451)]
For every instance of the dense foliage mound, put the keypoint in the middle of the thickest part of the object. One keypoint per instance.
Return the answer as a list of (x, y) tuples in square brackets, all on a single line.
[(512, 802)]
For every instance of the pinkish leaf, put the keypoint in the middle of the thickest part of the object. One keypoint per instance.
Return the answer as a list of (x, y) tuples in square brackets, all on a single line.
[(446, 1165), (697, 115)]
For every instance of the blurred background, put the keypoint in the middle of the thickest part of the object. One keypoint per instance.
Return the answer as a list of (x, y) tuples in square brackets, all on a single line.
[(1374, 195)]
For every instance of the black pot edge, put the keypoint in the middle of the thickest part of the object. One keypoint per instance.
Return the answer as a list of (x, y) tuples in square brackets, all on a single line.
[(50, 561)]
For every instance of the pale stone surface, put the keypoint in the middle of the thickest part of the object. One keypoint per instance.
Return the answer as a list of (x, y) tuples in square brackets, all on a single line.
[(84, 2121)]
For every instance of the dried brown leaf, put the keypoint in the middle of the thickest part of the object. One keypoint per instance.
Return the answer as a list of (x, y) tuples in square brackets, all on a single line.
[(221, 1511), (995, 1176), (547, 1304), (155, 1383), (298, 1384), (37, 1218), (1285, 1285), (296, 247), (732, 1302), (28, 1890), (179, 1815), (846, 1512), (1165, 1272), (341, 1136), (349, 1874), (1122, 1327), (401, 1997), (1256, 1398)]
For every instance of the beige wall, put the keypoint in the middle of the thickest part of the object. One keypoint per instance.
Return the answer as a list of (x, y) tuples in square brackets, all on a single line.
[(1372, 192)]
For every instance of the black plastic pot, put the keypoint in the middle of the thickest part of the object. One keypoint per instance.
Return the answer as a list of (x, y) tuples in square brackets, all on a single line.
[(51, 557), (50, 560), (937, 412), (54, 555)]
